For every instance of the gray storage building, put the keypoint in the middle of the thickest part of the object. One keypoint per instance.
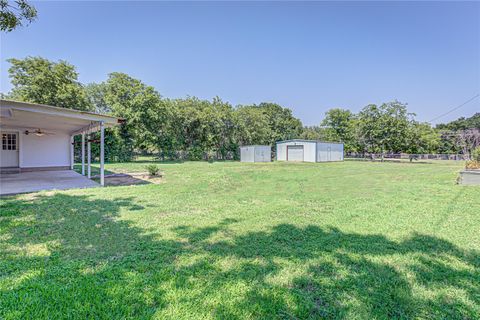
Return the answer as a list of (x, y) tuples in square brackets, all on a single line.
[(309, 151), (255, 154)]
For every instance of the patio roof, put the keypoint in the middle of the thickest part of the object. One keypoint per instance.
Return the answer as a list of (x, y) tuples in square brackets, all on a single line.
[(15, 114), (44, 119)]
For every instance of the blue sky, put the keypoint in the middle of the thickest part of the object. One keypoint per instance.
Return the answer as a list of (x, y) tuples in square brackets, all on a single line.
[(309, 56)]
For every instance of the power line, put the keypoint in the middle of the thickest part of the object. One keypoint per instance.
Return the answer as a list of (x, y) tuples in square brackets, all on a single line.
[(456, 108)]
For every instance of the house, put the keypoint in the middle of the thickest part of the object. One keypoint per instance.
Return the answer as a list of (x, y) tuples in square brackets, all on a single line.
[(309, 151), (39, 138)]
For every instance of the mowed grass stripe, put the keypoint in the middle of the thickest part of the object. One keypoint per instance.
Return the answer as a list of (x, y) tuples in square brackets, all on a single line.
[(229, 240)]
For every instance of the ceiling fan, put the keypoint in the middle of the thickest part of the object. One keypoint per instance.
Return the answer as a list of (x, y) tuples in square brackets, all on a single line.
[(38, 132)]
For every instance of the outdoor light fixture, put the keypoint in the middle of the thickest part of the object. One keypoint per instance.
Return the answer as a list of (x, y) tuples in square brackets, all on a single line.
[(37, 132)]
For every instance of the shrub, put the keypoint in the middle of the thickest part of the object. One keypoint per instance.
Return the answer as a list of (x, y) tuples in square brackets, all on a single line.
[(472, 164), (153, 169), (476, 154)]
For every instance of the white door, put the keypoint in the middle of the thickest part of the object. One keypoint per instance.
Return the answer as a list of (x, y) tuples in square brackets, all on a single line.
[(294, 153), (9, 150)]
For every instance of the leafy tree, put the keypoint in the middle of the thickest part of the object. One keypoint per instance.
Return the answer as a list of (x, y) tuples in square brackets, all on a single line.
[(96, 96), (224, 129), (476, 154), (451, 140), (462, 123), (339, 126), (14, 13), (283, 125), (39, 80), (266, 123), (313, 133), (142, 108), (423, 139), (370, 129), (252, 126), (385, 128), (468, 140), (203, 129), (448, 142)]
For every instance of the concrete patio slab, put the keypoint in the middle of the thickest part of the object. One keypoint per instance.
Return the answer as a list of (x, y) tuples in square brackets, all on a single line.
[(14, 183), (470, 177)]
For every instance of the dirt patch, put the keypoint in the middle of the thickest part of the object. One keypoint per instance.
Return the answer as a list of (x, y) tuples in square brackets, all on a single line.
[(128, 179)]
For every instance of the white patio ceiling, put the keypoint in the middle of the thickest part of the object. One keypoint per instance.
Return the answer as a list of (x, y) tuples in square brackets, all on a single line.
[(50, 119)]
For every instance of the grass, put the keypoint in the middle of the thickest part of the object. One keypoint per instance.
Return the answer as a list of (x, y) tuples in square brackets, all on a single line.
[(227, 240)]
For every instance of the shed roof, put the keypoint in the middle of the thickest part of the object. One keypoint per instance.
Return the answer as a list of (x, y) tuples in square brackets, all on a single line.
[(256, 145), (312, 141)]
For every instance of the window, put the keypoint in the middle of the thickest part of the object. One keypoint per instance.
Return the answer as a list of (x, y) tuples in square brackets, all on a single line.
[(9, 141)]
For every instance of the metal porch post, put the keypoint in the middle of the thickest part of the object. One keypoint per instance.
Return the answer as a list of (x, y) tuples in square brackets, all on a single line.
[(102, 153), (83, 154), (89, 156), (72, 156)]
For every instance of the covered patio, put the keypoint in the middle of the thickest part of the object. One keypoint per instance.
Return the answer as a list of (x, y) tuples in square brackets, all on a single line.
[(37, 150), (24, 182)]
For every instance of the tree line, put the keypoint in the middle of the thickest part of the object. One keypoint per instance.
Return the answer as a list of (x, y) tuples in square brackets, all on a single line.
[(197, 129)]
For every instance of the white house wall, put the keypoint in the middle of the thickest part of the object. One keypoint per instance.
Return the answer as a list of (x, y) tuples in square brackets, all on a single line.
[(44, 151)]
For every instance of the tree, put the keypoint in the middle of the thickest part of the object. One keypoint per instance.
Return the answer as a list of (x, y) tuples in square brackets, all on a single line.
[(252, 126), (313, 133), (224, 129), (283, 125), (39, 80), (142, 108), (452, 137), (14, 13), (370, 129), (423, 139), (266, 123), (96, 96), (448, 143), (462, 123), (339, 126), (204, 129), (468, 140), (385, 128)]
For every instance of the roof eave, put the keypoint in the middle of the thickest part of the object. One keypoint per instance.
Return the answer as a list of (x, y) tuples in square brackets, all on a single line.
[(35, 107)]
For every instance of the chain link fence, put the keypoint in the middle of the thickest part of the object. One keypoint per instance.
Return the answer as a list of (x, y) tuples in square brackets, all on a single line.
[(407, 156)]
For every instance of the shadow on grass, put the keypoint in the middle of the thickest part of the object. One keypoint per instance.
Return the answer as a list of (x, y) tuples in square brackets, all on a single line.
[(67, 256), (123, 179), (95, 169)]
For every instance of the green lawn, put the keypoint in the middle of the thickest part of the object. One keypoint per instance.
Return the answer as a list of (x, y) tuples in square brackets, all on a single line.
[(228, 240)]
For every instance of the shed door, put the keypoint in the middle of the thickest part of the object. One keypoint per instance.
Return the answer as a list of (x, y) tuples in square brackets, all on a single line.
[(294, 153), (9, 150)]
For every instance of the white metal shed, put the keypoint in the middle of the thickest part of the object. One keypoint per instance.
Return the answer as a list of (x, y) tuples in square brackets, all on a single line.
[(255, 153), (309, 151)]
